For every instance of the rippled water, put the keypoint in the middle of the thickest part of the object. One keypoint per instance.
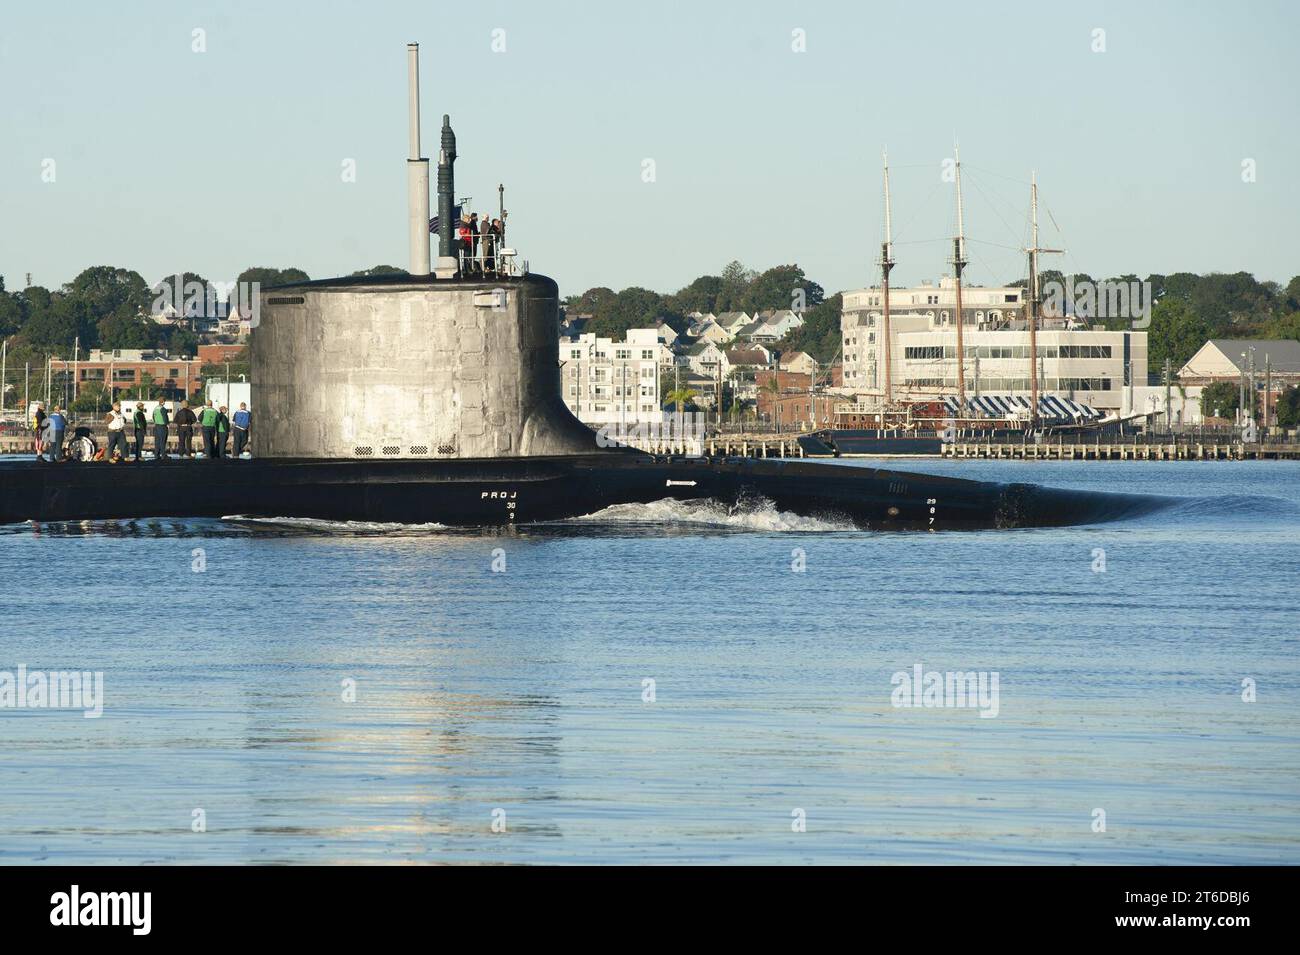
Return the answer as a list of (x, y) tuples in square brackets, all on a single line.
[(522, 690)]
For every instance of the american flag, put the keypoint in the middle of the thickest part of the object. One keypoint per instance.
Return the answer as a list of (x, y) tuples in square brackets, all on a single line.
[(455, 215)]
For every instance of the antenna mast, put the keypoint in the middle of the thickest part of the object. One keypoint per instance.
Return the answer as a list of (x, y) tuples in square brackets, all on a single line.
[(417, 169), (958, 263), (886, 264), (1034, 300)]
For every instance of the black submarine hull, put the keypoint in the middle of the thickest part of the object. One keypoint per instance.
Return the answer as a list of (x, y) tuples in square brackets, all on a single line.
[(506, 491)]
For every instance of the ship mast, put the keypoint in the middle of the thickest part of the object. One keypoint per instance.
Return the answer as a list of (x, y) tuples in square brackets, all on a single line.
[(1034, 300), (886, 264), (959, 263)]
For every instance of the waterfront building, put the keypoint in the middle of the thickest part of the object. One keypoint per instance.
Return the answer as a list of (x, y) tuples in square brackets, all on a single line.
[(609, 382), (1086, 364), (127, 369), (1227, 359)]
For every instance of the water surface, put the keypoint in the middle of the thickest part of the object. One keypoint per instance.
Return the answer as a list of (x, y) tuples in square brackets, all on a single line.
[(524, 690)]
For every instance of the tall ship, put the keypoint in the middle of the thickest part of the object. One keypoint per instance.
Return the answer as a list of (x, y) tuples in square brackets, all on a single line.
[(931, 363), (434, 397)]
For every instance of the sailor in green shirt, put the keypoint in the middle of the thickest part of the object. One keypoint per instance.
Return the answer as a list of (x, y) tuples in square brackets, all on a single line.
[(160, 422), (208, 422)]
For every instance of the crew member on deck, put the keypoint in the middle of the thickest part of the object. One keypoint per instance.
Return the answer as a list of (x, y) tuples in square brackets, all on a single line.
[(465, 234), (38, 426), (242, 420), (141, 425), (185, 430), (160, 418), (55, 425), (208, 422), (117, 449), (223, 432)]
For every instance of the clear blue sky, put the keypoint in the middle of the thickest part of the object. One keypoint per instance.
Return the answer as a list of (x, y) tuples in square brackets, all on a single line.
[(168, 159)]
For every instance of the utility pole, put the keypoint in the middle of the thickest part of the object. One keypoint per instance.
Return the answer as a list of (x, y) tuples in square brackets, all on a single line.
[(1254, 417), (959, 263), (1034, 300), (886, 264), (1268, 391), (1168, 417), (4, 367), (76, 358), (1241, 389)]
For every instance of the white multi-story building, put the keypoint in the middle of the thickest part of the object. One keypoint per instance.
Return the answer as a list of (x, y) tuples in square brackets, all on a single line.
[(1094, 367), (607, 382)]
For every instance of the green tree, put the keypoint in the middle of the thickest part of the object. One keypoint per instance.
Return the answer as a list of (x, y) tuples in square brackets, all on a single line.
[(1220, 399), (1288, 407), (125, 329), (819, 335), (735, 280), (1176, 333), (778, 288), (1291, 294), (700, 296), (683, 398), (56, 328), (1283, 326), (382, 270), (633, 308), (268, 277), (92, 396), (11, 314)]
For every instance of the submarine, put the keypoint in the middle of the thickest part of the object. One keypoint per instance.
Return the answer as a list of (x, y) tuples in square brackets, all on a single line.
[(434, 397)]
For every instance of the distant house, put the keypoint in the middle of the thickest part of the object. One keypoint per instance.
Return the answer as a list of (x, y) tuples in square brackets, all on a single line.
[(704, 358), (712, 332), (799, 361), (1220, 359), (666, 334), (704, 387), (573, 325), (733, 322), (749, 356), (773, 325)]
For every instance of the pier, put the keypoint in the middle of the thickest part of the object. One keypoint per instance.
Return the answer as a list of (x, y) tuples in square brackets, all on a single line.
[(1123, 451)]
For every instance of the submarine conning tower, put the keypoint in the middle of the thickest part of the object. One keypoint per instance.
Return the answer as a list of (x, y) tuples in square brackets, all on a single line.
[(461, 361)]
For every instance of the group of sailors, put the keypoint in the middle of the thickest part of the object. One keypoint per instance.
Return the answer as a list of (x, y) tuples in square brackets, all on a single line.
[(484, 234), (215, 424)]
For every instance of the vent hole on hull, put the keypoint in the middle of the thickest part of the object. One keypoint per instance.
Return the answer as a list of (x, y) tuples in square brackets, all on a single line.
[(363, 452), (446, 449), (390, 450), (420, 449)]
